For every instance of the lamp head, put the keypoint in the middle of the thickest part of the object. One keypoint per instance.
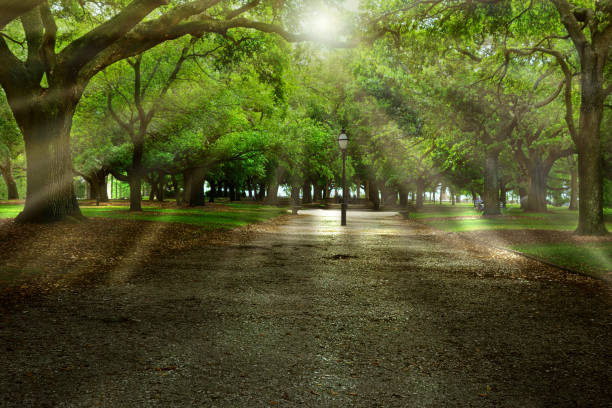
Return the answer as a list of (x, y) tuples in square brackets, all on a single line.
[(343, 140)]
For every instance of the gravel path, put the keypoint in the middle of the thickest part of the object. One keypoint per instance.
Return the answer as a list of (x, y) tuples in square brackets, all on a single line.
[(383, 313)]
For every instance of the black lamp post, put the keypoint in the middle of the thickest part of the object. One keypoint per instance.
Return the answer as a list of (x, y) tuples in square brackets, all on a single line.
[(343, 142)]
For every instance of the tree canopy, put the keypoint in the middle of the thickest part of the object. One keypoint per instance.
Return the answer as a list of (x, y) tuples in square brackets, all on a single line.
[(180, 98)]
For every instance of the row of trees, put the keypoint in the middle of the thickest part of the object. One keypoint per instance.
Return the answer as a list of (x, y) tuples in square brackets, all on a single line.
[(479, 97)]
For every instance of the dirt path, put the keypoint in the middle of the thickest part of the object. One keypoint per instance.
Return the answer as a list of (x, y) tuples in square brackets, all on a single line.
[(379, 314)]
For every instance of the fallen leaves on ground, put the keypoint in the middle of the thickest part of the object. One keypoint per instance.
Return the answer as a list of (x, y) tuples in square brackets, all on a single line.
[(39, 258)]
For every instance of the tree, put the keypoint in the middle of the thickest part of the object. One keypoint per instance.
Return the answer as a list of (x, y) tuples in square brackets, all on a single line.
[(10, 147), (43, 85), (562, 32)]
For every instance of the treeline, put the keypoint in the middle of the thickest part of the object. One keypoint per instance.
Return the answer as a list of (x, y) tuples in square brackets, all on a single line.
[(478, 99)]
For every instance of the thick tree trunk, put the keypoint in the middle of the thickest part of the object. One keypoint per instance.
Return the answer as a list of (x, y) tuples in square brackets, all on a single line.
[(590, 191), (211, 193), (536, 190), (491, 183), (306, 193), (403, 196), (135, 197), (161, 189), (272, 193), (317, 193), (295, 199), (374, 198), (194, 187), (261, 194), (50, 193), (97, 183), (573, 205), (419, 193), (590, 204), (11, 186), (523, 198)]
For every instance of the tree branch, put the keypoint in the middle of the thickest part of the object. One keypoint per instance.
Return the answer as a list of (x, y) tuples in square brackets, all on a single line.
[(235, 13), (124, 125), (148, 34), (569, 107), (571, 24), (49, 39), (551, 97), (84, 49), (12, 9)]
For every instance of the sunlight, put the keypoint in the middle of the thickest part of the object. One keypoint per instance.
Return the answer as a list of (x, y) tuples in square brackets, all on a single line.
[(322, 23)]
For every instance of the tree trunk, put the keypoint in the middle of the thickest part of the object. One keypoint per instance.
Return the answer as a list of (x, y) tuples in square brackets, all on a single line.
[(153, 191), (523, 198), (491, 183), (590, 189), (573, 205), (503, 194), (261, 194), (306, 193), (403, 196), (374, 198), (97, 183), (161, 188), (452, 195), (295, 199), (177, 190), (50, 192), (11, 186), (135, 174), (135, 197), (211, 192), (419, 193), (536, 190), (194, 187), (272, 194), (317, 193)]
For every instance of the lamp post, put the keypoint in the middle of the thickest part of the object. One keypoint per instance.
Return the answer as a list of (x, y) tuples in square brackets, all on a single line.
[(343, 142)]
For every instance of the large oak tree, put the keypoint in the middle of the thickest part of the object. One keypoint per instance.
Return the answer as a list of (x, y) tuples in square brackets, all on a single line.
[(45, 82)]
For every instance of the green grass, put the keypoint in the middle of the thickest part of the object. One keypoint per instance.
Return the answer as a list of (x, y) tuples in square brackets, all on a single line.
[(513, 218), (591, 258), (236, 215), (10, 210)]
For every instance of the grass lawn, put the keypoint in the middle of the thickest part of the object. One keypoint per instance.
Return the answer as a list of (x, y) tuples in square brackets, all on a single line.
[(448, 218), (227, 216), (591, 258), (594, 258)]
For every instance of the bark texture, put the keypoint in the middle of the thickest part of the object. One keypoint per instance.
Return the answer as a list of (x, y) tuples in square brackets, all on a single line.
[(491, 183)]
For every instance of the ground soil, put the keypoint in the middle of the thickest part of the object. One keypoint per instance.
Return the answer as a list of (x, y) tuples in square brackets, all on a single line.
[(301, 312)]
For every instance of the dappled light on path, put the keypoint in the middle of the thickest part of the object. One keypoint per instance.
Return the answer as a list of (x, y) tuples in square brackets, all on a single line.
[(381, 312)]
